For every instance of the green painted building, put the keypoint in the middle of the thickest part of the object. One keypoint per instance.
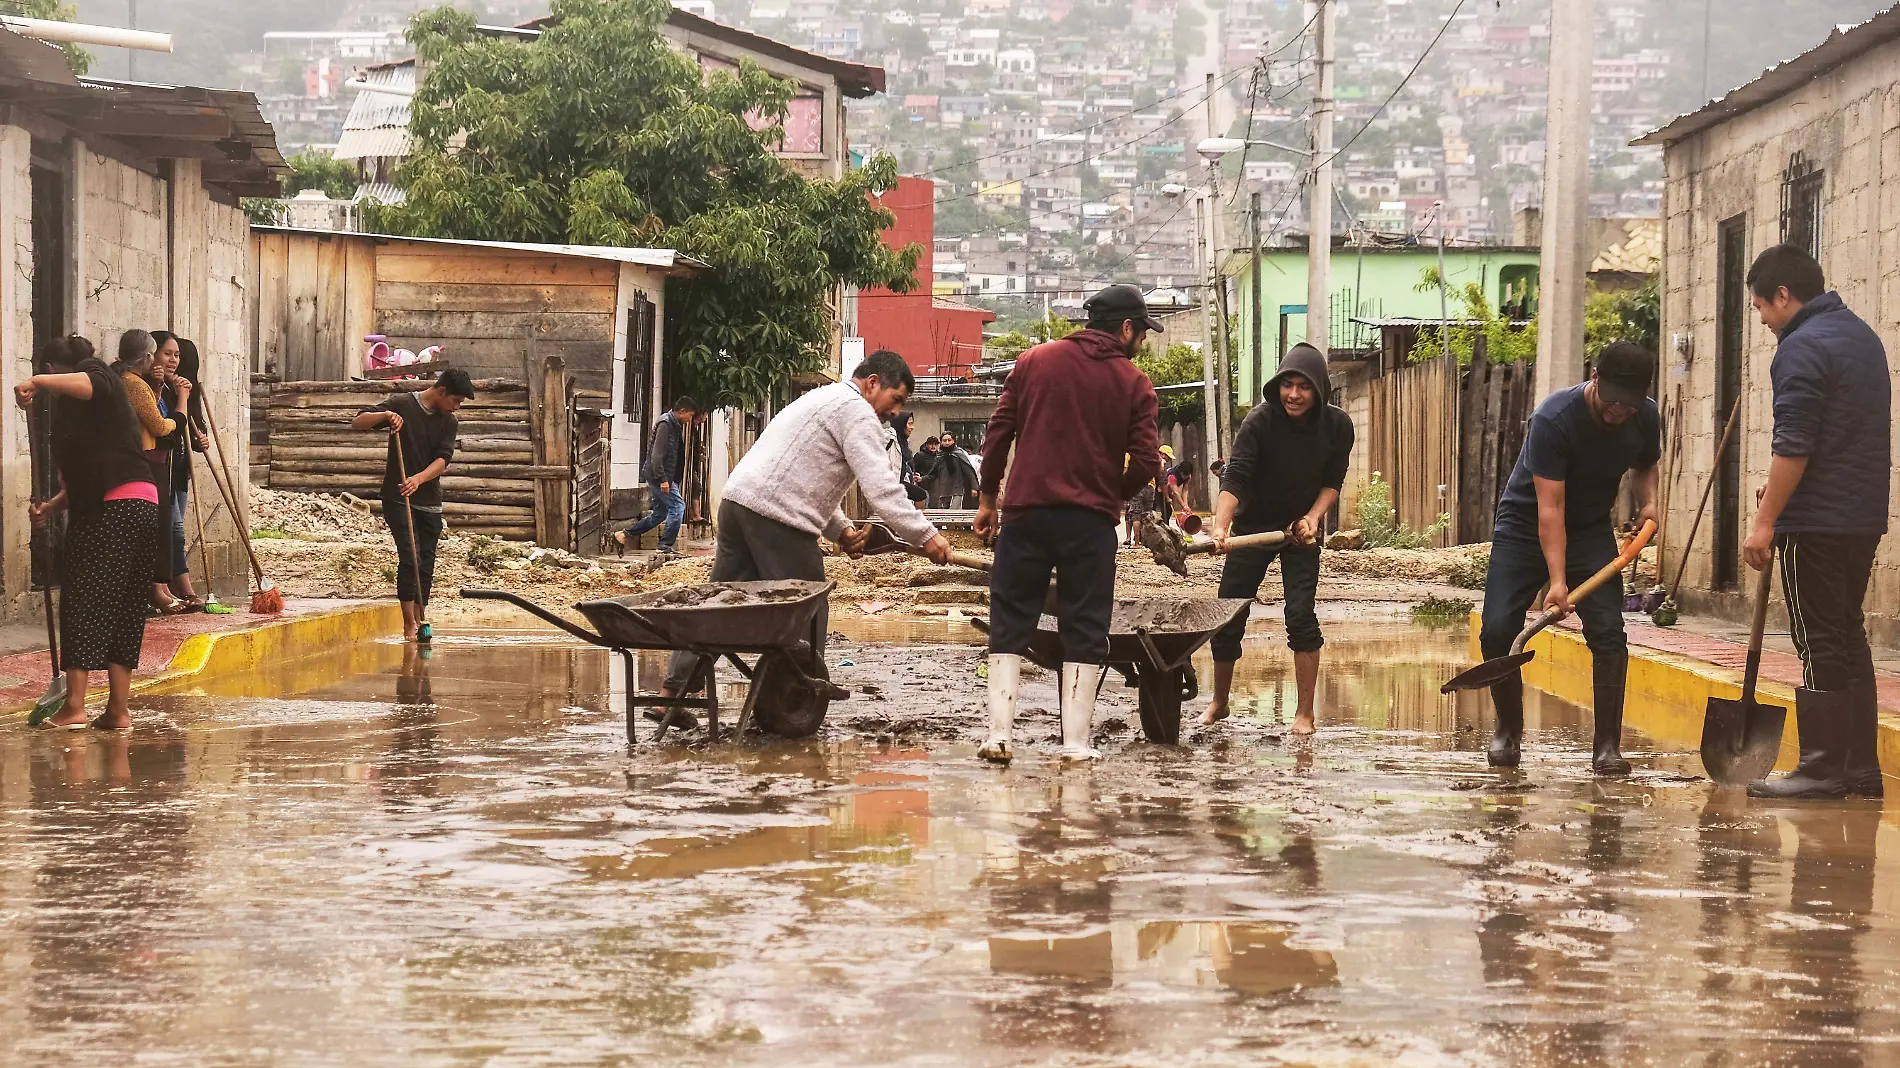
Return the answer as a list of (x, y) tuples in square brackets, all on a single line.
[(1376, 283)]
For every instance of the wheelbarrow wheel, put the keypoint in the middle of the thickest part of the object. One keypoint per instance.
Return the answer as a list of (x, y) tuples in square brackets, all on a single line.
[(1161, 695), (786, 706)]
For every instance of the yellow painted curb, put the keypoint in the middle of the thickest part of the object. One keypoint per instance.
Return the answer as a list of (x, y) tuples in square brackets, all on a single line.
[(233, 652), (1666, 693)]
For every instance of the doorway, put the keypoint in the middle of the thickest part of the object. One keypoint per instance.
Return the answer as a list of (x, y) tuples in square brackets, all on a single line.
[(1732, 332), (50, 271)]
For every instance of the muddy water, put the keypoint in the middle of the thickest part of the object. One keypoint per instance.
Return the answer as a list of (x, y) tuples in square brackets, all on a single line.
[(369, 858)]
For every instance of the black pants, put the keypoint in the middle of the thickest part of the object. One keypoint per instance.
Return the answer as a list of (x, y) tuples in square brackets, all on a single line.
[(1824, 577), (106, 590), (428, 533), (1518, 572), (1079, 546), (1241, 576), (751, 548)]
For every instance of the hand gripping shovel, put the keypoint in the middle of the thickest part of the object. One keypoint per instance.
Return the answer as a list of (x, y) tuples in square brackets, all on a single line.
[(881, 541), (1740, 739), (1495, 671)]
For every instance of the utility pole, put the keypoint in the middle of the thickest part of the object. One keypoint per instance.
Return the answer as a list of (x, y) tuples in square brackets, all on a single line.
[(1215, 363), (131, 54), (1210, 384), (1319, 242), (1259, 313), (1566, 198)]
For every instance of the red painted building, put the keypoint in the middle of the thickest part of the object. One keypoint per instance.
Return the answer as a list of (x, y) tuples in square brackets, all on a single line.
[(939, 337)]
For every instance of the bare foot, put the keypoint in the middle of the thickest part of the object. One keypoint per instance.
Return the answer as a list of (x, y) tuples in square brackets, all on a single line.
[(69, 715), (113, 721), (1214, 714), (1303, 723)]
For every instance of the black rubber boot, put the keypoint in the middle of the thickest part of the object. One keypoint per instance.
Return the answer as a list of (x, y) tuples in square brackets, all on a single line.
[(1606, 751), (1507, 740), (1862, 764), (1822, 721)]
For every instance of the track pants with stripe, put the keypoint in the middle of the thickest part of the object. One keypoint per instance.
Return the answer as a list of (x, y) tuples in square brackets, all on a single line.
[(1824, 577)]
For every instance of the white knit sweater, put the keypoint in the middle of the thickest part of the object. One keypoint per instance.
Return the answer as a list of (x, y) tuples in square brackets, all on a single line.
[(802, 466)]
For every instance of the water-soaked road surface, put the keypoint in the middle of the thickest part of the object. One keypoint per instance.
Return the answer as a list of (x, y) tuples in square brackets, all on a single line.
[(368, 858)]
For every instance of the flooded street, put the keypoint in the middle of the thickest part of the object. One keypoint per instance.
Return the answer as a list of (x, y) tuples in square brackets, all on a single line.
[(371, 858)]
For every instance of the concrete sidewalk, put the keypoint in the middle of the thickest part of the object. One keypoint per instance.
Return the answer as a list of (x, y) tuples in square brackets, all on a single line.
[(1675, 670), (201, 645)]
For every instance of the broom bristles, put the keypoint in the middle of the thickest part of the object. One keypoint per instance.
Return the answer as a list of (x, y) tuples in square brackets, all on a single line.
[(267, 602)]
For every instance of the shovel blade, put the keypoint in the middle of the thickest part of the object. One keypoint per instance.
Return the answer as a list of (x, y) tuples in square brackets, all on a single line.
[(1489, 673), (1741, 740)]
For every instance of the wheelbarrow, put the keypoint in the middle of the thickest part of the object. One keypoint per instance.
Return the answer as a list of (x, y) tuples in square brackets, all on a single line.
[(1151, 642), (776, 622)]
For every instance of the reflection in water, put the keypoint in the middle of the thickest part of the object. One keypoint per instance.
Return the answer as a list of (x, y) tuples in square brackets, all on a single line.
[(375, 857)]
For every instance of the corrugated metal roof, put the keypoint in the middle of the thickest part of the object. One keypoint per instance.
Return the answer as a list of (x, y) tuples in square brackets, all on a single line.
[(663, 258), (381, 193), (1783, 78), (359, 144)]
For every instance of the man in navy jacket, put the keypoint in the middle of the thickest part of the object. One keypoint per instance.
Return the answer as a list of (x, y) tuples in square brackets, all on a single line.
[(1825, 509)]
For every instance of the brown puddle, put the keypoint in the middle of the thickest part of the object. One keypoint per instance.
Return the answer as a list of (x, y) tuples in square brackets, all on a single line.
[(372, 858)]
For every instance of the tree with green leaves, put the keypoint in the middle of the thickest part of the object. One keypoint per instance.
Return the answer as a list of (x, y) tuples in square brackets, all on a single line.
[(56, 11), (1473, 317), (1174, 365), (600, 133)]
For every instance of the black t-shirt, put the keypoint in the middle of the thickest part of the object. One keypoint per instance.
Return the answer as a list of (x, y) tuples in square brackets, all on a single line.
[(1567, 444), (426, 437), (96, 443), (1279, 466)]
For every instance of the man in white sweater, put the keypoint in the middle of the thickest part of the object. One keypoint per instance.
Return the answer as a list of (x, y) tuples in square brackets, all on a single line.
[(789, 490)]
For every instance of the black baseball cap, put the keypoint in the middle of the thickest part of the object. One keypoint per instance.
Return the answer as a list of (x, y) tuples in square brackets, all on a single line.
[(1624, 372), (1122, 299)]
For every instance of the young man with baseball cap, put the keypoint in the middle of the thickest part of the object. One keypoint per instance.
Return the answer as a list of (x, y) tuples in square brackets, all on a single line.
[(1553, 525), (1825, 508), (1081, 417)]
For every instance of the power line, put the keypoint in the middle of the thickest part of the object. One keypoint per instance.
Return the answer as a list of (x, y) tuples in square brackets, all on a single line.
[(1387, 102)]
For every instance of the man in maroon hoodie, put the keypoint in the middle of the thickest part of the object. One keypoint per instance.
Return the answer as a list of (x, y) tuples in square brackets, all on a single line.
[(1082, 418)]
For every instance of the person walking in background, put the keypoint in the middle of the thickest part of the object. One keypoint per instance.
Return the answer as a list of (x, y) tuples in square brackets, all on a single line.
[(1145, 505), (422, 424), (182, 401), (1081, 417), (112, 510), (138, 353), (664, 468), (1290, 460), (956, 475), (1824, 508), (923, 465), (901, 423)]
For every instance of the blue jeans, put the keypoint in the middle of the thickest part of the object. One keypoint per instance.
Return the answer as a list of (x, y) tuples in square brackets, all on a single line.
[(181, 497), (669, 508), (1518, 572)]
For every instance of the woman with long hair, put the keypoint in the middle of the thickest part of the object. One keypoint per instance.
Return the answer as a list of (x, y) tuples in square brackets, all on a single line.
[(145, 362), (111, 506), (183, 400)]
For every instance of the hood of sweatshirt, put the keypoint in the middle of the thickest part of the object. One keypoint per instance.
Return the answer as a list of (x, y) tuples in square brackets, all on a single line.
[(1098, 344), (1307, 362)]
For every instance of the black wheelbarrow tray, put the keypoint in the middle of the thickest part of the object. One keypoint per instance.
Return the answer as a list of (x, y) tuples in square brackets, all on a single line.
[(778, 622), (1151, 642)]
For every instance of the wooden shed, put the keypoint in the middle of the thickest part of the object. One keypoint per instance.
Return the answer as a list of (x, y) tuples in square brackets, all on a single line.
[(567, 340)]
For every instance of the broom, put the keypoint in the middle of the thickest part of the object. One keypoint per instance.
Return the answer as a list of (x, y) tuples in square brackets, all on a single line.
[(54, 698), (268, 600), (213, 606), (424, 633), (1666, 614)]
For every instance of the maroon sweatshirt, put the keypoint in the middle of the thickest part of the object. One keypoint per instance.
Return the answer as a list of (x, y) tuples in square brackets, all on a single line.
[(1082, 418)]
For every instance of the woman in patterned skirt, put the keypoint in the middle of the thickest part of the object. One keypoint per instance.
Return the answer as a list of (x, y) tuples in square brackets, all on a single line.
[(111, 504)]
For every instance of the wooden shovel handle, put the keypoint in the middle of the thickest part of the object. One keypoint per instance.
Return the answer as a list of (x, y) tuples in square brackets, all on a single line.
[(1631, 550), (1763, 587), (1272, 539)]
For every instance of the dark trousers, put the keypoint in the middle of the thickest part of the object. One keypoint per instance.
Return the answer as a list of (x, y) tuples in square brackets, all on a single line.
[(105, 588), (1241, 576), (669, 508), (1824, 577), (748, 547), (1079, 546), (1518, 572), (428, 533), (163, 563)]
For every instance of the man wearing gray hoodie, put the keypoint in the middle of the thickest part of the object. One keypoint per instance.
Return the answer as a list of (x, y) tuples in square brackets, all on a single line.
[(1289, 462)]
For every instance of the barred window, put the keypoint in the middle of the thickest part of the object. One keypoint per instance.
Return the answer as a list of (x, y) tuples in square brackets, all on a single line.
[(1801, 186)]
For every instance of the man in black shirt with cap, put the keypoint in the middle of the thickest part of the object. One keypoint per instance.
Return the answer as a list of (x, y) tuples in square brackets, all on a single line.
[(1290, 458), (1553, 525)]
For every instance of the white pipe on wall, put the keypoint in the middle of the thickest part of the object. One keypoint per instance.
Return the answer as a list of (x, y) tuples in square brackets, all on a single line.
[(80, 33)]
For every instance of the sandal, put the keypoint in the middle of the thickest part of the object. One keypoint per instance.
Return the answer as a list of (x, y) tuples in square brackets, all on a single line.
[(175, 608)]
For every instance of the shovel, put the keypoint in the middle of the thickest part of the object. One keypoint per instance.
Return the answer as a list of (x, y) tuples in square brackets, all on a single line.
[(1171, 551), (881, 541), (1494, 671), (1741, 739)]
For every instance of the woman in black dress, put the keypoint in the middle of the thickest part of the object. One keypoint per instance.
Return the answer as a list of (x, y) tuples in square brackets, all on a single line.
[(111, 505)]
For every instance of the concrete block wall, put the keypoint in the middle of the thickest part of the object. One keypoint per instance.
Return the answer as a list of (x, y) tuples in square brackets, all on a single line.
[(1847, 124)]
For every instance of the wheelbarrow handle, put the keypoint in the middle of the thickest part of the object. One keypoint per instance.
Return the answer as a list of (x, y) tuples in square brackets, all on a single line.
[(1631, 550), (534, 609)]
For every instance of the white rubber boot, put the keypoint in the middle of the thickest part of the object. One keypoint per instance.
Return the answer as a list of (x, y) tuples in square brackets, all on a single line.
[(1080, 683), (1006, 675)]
